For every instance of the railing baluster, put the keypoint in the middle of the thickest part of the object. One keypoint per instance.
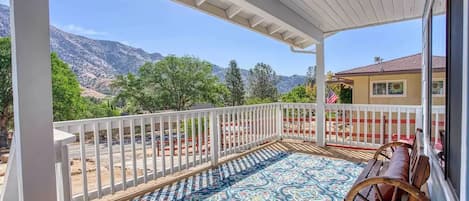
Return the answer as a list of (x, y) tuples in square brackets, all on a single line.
[(390, 125), (163, 147), (258, 131), (304, 122), (199, 136), (186, 144), (171, 144), (407, 118), (398, 123), (219, 133), (310, 123), (143, 138), (251, 127), (243, 128), (178, 132), (153, 147), (237, 129), (111, 155), (343, 125), (98, 158), (223, 133), (373, 127), (84, 177), (365, 135), (134, 154), (381, 127), (351, 125), (336, 124), (122, 150), (357, 111), (206, 118), (194, 140)]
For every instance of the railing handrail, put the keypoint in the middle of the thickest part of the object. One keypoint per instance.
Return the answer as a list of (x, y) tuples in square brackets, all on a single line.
[(165, 113)]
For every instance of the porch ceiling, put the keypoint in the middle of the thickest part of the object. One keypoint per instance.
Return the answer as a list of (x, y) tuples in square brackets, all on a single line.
[(301, 23)]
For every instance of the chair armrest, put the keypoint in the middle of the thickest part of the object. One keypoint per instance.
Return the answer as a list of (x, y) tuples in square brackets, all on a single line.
[(389, 145), (398, 183)]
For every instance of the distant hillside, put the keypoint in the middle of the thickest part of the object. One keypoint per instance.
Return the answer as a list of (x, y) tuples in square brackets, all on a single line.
[(97, 62)]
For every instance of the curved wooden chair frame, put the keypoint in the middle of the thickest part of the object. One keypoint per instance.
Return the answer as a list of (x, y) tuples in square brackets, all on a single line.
[(413, 192), (382, 150)]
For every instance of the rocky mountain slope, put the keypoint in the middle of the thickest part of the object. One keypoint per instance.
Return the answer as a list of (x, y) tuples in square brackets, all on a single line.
[(97, 62)]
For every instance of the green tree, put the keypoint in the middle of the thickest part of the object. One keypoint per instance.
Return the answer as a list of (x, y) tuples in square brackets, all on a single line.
[(297, 95), (66, 93), (132, 95), (6, 91), (262, 82), (311, 76), (100, 108), (235, 84), (172, 83)]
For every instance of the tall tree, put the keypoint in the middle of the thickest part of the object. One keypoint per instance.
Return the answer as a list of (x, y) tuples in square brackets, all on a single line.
[(6, 91), (311, 76), (66, 93), (262, 82), (235, 84), (172, 83)]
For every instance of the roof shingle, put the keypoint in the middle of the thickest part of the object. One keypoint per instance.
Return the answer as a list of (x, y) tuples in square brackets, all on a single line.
[(407, 64)]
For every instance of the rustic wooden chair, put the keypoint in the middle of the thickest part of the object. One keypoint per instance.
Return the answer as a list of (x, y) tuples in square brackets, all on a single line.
[(393, 173)]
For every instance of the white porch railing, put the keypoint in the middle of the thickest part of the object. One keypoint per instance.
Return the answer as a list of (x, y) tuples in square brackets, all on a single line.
[(112, 154)]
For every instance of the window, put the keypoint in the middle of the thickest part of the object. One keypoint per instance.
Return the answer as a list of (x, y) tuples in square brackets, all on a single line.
[(438, 88), (395, 88), (379, 88), (388, 88)]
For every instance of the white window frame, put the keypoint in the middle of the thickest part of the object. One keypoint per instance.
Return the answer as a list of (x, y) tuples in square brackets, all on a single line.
[(387, 93), (444, 87)]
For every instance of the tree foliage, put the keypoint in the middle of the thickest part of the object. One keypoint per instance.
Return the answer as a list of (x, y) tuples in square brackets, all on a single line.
[(172, 83), (6, 91), (66, 93), (235, 84), (262, 82), (297, 95), (311, 76)]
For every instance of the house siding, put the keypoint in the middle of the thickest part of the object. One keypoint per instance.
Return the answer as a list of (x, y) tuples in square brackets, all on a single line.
[(413, 86)]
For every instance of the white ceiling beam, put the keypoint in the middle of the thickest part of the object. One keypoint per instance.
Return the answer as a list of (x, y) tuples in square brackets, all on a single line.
[(287, 35), (256, 20), (199, 2), (273, 28), (232, 11), (277, 11), (299, 40)]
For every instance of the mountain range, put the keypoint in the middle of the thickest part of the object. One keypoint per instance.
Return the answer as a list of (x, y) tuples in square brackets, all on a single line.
[(97, 62)]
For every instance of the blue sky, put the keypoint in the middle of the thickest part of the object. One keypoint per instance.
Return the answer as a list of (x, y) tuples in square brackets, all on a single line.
[(170, 28)]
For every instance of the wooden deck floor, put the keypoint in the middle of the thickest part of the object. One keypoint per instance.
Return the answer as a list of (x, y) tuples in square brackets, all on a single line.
[(284, 145)]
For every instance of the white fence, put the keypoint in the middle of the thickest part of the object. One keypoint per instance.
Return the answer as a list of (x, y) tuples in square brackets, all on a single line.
[(120, 152), (112, 154)]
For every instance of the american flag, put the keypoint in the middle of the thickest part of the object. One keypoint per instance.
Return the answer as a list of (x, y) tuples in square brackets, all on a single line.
[(331, 97)]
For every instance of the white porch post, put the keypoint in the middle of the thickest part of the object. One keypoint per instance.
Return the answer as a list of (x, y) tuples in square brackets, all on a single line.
[(320, 94), (35, 156)]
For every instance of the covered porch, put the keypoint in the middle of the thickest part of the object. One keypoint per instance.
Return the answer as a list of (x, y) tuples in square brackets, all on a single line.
[(116, 156)]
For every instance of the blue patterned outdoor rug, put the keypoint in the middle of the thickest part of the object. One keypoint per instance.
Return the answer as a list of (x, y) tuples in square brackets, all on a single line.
[(267, 175)]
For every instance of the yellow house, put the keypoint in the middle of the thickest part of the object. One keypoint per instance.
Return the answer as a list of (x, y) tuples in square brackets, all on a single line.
[(397, 81)]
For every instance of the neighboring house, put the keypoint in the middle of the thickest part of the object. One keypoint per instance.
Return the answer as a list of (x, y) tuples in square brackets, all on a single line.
[(397, 81)]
